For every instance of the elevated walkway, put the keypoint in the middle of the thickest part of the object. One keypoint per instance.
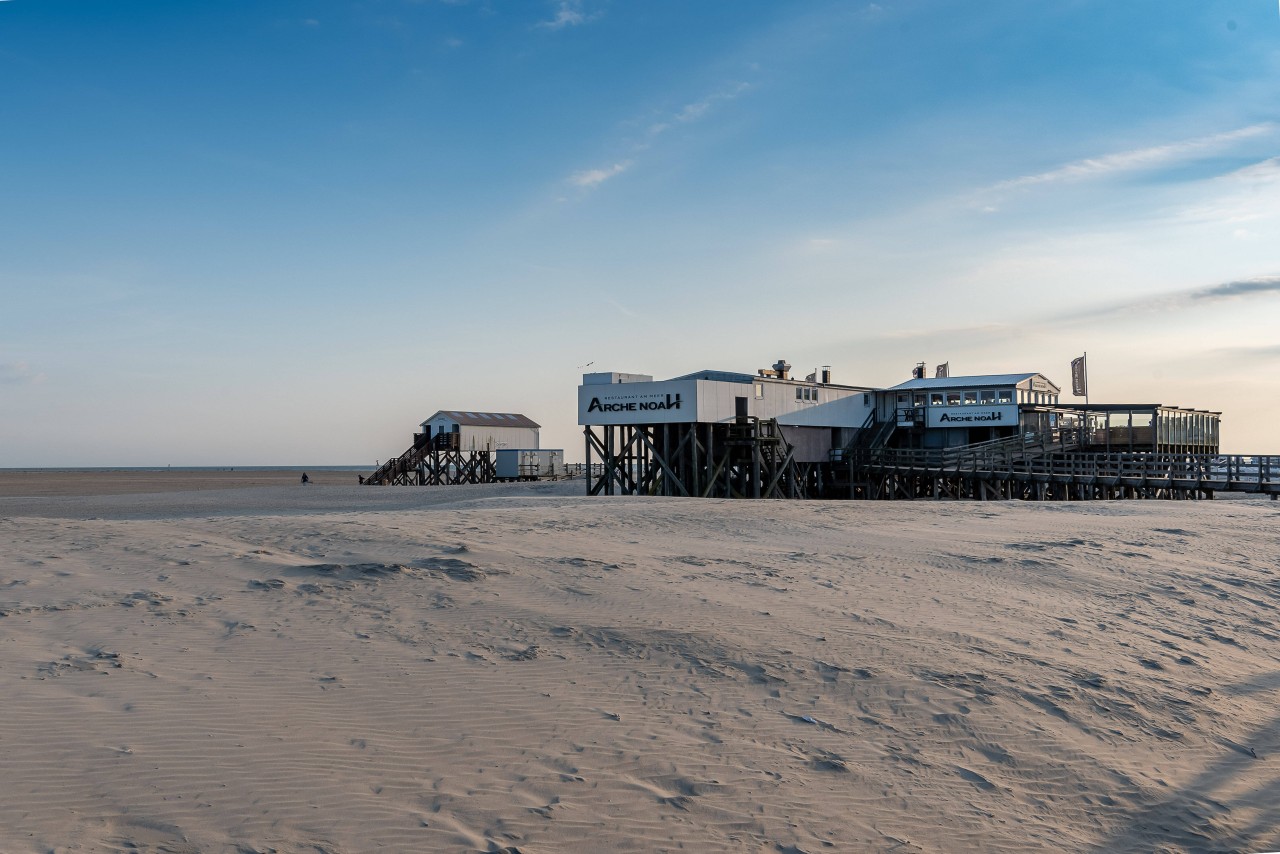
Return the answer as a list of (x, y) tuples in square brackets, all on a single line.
[(1054, 468)]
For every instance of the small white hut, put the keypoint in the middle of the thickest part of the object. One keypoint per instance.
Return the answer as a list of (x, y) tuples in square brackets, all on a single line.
[(484, 431)]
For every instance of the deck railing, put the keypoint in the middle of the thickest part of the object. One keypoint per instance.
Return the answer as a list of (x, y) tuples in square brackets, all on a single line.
[(1226, 472)]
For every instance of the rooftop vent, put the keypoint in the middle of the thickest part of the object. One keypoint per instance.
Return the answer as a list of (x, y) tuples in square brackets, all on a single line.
[(778, 370)]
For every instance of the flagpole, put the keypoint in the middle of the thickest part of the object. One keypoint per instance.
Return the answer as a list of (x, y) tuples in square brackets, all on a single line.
[(1086, 378)]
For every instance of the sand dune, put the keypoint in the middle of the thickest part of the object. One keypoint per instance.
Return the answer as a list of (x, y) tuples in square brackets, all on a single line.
[(518, 668)]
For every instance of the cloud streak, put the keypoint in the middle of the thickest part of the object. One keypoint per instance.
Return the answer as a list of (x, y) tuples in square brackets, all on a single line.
[(695, 110), (1134, 159), (568, 14), (1244, 287), (1248, 194), (688, 114), (1178, 300), (1261, 286), (589, 178)]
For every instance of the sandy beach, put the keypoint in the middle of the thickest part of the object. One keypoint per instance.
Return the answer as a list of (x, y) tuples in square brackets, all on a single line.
[(18, 483), (515, 667)]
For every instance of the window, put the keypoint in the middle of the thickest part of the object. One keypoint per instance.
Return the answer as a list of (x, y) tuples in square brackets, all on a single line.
[(759, 391), (1004, 395), (935, 399), (970, 398), (953, 398), (904, 400), (799, 393), (919, 400), (988, 396)]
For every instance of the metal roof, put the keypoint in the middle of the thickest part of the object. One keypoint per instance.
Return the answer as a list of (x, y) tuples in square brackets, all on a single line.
[(483, 419), (717, 376), (735, 377), (956, 382)]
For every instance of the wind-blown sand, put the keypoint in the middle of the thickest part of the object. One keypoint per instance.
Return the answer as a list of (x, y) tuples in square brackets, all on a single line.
[(515, 667)]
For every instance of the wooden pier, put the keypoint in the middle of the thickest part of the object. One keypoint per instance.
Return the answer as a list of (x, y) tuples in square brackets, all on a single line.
[(1051, 472), (752, 459)]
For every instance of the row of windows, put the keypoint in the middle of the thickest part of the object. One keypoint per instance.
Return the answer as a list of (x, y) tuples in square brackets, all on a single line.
[(958, 397), (954, 397), (802, 393)]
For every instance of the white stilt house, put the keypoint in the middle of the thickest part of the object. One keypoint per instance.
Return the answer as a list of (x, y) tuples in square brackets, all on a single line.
[(482, 431)]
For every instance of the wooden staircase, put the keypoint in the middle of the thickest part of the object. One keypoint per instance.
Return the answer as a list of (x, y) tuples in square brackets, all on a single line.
[(435, 461)]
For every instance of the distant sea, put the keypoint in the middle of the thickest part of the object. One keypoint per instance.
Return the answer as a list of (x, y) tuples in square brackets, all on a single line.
[(188, 468)]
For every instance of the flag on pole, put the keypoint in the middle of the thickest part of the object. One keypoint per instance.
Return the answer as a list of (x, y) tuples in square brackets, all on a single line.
[(944, 370), (1079, 377)]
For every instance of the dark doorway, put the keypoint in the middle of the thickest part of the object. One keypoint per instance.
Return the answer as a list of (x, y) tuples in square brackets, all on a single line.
[(740, 408)]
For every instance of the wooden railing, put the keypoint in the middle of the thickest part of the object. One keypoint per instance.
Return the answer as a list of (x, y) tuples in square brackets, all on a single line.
[(994, 451), (1226, 472)]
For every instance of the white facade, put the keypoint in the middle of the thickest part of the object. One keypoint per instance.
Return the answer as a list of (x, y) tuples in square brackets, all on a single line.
[(715, 398), (850, 411), (959, 401), (939, 412), (484, 431)]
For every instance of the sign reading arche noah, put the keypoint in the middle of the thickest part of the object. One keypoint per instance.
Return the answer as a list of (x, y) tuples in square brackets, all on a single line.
[(972, 416), (674, 401)]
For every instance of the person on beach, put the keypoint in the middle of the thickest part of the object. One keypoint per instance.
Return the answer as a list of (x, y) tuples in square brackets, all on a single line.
[(305, 479)]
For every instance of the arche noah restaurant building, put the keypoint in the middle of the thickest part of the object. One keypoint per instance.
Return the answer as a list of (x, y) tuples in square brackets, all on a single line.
[(939, 412)]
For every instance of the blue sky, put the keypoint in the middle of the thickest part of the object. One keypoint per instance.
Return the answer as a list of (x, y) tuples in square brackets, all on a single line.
[(285, 233)]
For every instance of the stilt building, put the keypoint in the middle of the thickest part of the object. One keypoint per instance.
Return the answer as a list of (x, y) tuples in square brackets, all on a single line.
[(770, 435)]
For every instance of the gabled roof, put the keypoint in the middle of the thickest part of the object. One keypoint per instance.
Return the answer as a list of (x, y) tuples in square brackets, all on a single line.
[(483, 419), (981, 380)]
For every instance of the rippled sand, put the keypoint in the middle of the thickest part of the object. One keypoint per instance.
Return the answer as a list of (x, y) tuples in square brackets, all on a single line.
[(516, 667)]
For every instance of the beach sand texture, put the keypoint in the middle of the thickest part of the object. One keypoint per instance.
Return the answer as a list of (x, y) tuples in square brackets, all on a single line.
[(518, 668)]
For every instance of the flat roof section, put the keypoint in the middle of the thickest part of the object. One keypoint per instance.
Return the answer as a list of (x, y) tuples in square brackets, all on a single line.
[(980, 380)]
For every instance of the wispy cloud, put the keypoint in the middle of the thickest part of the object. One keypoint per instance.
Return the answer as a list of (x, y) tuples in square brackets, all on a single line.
[(688, 114), (1248, 194), (695, 110), (569, 13), (1176, 300), (1244, 287), (19, 373), (595, 177), (1134, 159), (1260, 286)]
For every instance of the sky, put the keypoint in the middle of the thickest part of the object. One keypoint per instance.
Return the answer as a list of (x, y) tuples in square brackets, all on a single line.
[(261, 233)]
